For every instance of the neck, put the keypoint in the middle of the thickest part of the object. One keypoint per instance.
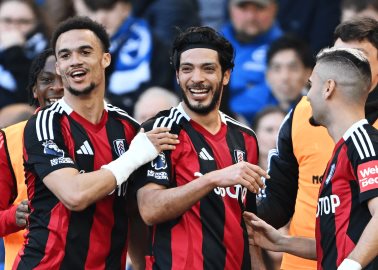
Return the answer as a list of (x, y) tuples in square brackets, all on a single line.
[(211, 121), (90, 107), (342, 120)]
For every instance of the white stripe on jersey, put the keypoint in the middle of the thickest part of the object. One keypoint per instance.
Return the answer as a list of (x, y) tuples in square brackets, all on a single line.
[(369, 142), (112, 108), (44, 122), (357, 146)]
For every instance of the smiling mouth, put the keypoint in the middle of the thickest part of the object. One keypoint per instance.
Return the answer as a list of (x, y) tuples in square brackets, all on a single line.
[(50, 101)]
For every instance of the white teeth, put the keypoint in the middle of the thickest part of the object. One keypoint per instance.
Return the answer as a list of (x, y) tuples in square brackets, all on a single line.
[(76, 73), (53, 100)]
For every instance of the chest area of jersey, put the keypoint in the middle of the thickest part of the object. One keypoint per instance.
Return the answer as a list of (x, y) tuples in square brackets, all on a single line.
[(93, 148)]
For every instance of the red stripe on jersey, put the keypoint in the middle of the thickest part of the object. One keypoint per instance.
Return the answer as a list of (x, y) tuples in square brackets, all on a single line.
[(58, 227)]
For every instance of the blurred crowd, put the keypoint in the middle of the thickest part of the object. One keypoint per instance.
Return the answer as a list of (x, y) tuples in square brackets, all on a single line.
[(275, 43)]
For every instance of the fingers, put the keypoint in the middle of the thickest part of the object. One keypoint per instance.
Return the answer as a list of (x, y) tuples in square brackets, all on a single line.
[(21, 218), (162, 139), (23, 207)]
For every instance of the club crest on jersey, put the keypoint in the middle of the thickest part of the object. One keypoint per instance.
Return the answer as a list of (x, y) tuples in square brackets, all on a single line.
[(50, 148), (119, 146), (159, 163), (330, 174), (239, 155)]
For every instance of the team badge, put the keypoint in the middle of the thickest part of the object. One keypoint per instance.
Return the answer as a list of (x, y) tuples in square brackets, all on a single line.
[(239, 155), (119, 146), (330, 174), (50, 148), (159, 163)]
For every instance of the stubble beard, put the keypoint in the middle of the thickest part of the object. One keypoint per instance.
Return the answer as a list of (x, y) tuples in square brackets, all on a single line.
[(86, 91)]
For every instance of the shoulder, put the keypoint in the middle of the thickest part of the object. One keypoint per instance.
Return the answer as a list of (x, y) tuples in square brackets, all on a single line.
[(234, 124), (122, 115), (169, 118)]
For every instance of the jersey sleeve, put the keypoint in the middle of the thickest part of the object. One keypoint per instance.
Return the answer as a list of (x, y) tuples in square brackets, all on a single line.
[(44, 146), (277, 203), (365, 161), (156, 171), (7, 192)]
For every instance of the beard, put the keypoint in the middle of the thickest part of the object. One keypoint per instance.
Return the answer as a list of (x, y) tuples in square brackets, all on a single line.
[(86, 91), (313, 122), (203, 109)]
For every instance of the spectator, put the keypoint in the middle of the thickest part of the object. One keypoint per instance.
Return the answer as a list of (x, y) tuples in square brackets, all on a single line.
[(312, 20), (289, 64), (194, 196), (213, 13), (22, 37), (347, 213), (45, 87), (303, 150), (362, 8), (73, 193), (139, 59), (152, 101), (252, 28), (266, 125), (165, 15)]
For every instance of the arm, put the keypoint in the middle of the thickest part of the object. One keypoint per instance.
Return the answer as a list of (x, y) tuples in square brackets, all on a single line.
[(78, 190), (367, 246), (277, 207), (263, 235), (158, 204), (8, 222)]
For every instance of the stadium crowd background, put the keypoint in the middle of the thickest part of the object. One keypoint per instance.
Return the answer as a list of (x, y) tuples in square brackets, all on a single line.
[(141, 32)]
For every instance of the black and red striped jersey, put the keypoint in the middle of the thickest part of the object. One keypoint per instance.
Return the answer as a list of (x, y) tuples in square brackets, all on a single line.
[(95, 238), (212, 234), (349, 182)]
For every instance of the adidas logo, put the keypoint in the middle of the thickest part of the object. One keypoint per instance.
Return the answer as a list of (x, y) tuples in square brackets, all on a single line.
[(85, 149), (205, 155)]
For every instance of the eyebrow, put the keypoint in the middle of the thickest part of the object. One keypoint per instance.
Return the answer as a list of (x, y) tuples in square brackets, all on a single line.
[(80, 48)]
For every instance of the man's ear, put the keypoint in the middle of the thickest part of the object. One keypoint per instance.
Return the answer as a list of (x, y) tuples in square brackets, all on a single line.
[(226, 76), (330, 87), (34, 89), (106, 59)]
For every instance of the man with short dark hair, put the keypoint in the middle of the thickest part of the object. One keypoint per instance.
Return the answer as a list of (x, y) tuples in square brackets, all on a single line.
[(347, 208), (194, 196), (79, 154)]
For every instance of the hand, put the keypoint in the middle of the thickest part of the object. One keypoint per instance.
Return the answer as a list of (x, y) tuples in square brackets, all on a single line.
[(243, 173), (22, 213), (162, 139), (261, 233)]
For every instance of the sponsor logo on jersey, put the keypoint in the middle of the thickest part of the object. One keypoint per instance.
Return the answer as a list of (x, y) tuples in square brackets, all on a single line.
[(160, 162), (239, 155), (330, 174), (50, 148), (119, 146), (157, 175), (235, 192), (61, 160), (327, 205), (368, 175)]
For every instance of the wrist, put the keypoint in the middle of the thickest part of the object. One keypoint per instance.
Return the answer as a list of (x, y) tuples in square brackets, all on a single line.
[(349, 264)]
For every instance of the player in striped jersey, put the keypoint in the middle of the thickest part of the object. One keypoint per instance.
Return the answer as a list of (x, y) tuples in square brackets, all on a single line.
[(79, 153), (347, 211), (194, 196)]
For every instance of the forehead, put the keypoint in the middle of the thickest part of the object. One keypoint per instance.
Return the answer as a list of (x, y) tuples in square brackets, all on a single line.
[(364, 45), (286, 55), (16, 9), (50, 64), (199, 56), (77, 38)]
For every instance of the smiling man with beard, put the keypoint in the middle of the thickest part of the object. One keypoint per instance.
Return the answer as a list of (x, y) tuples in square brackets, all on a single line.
[(194, 196)]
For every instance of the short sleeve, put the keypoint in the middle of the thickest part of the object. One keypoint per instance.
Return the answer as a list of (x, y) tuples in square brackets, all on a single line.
[(44, 146)]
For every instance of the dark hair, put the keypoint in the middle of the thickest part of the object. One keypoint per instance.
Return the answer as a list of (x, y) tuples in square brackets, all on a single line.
[(358, 29), (264, 112), (350, 60), (35, 69), (81, 23), (95, 5), (291, 42), (203, 37)]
